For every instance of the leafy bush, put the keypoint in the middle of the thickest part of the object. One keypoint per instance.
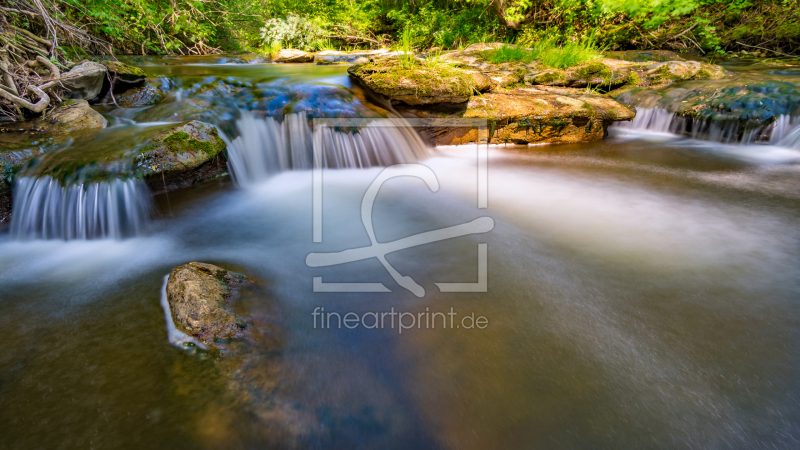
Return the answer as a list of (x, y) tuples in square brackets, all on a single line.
[(446, 24), (291, 32)]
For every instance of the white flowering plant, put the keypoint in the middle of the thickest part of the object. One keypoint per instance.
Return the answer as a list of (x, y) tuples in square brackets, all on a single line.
[(293, 31)]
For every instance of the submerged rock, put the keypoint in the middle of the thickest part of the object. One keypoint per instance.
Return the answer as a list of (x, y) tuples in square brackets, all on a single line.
[(72, 115), (198, 296), (415, 83), (141, 96), (85, 81), (290, 55)]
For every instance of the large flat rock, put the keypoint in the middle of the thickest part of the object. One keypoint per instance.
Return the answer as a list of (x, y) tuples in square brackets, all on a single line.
[(526, 116)]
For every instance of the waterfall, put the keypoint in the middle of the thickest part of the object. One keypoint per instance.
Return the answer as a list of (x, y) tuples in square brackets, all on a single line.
[(786, 132), (660, 120), (650, 119), (266, 146), (44, 209), (791, 140)]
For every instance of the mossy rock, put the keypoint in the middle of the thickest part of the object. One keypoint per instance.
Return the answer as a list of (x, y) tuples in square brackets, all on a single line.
[(547, 78), (179, 150), (125, 72), (168, 156), (672, 71), (416, 83)]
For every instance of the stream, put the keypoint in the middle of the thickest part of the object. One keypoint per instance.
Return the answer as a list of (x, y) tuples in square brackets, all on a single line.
[(642, 291)]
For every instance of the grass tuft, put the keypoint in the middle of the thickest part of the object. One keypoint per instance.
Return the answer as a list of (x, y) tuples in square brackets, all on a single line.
[(569, 54), (509, 53), (547, 52)]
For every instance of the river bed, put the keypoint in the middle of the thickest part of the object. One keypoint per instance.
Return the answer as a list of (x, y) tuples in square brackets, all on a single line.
[(642, 293)]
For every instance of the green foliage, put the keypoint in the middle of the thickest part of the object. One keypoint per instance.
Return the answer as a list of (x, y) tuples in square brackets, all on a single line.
[(198, 26), (446, 24)]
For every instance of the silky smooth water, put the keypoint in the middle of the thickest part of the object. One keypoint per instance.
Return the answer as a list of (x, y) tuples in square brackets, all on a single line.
[(642, 293)]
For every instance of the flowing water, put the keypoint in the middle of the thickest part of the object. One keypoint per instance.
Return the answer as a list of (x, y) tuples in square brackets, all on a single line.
[(642, 291)]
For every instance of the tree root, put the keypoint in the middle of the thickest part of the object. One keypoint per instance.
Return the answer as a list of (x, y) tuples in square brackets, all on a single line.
[(44, 99)]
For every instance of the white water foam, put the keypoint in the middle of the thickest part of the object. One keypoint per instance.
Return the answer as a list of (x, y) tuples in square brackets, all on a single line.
[(175, 336)]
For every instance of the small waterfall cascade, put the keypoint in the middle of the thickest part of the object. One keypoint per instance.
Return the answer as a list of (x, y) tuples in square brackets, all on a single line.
[(267, 146), (791, 140), (656, 119), (782, 127), (660, 120), (44, 209), (786, 132)]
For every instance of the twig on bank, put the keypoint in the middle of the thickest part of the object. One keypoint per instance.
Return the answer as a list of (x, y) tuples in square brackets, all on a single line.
[(773, 51)]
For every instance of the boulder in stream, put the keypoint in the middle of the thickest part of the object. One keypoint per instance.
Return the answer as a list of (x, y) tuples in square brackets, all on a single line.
[(140, 96), (198, 296), (85, 80), (604, 73), (530, 115), (71, 115)]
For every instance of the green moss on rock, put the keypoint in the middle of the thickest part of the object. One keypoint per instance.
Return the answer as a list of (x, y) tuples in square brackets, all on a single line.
[(156, 152), (180, 149), (125, 71), (415, 83)]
